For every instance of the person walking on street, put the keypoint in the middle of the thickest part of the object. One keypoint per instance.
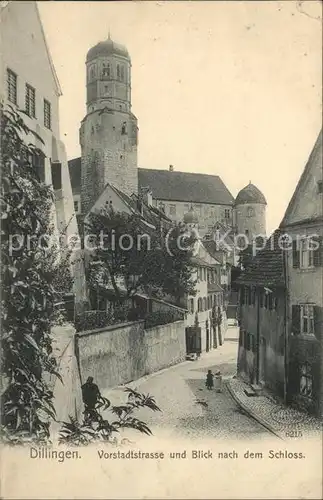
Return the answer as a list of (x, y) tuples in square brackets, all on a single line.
[(90, 395), (209, 380)]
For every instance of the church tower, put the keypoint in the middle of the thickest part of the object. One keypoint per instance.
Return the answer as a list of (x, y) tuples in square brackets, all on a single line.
[(109, 132)]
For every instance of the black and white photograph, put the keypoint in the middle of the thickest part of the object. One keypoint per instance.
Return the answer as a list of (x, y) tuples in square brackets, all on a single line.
[(161, 249)]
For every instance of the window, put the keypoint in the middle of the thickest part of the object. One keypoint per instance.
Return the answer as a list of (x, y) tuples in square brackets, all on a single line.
[(191, 306), (186, 207), (12, 86), (122, 73), (204, 304), (199, 305), (124, 128), (172, 210), (38, 162), (306, 254), (105, 69), (307, 319), (161, 206), (306, 380), (30, 98), (198, 209), (250, 212), (47, 114), (227, 214), (56, 175), (320, 186), (118, 72)]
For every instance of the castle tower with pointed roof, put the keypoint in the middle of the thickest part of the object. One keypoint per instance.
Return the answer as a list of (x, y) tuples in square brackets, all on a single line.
[(250, 211), (108, 133)]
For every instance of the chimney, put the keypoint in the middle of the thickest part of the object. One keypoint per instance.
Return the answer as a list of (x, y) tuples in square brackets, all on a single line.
[(171, 168)]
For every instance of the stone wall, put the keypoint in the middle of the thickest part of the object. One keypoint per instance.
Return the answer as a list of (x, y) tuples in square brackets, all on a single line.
[(121, 353)]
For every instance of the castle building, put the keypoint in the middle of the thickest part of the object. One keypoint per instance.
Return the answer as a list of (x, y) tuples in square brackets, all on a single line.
[(250, 212), (109, 141), (108, 133)]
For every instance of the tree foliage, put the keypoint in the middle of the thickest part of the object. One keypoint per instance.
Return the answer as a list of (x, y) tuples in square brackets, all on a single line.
[(28, 296), (132, 257), (96, 427)]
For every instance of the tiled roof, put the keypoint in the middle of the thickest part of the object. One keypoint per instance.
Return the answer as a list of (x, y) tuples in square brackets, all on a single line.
[(250, 194), (267, 267), (215, 251), (173, 186), (185, 186)]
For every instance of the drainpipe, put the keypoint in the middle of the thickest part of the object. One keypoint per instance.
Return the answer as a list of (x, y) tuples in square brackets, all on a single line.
[(258, 337)]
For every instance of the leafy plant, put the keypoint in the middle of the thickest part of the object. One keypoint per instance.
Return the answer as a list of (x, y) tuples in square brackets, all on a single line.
[(157, 263), (162, 318), (95, 427), (28, 297)]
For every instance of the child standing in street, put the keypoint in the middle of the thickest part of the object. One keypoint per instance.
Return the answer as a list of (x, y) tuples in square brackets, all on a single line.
[(209, 380)]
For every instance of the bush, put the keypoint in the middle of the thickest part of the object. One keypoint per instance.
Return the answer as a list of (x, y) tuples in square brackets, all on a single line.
[(91, 320), (162, 318)]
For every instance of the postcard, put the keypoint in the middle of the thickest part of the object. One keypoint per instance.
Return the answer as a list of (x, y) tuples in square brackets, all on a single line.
[(161, 250)]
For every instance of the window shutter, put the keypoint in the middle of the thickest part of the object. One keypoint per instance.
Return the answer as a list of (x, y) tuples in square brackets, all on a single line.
[(296, 319), (318, 322), (296, 255), (318, 254)]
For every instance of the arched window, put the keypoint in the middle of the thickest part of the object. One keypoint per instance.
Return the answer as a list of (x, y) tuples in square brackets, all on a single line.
[(204, 304), (199, 305), (105, 69), (92, 73), (122, 73), (250, 212), (118, 72)]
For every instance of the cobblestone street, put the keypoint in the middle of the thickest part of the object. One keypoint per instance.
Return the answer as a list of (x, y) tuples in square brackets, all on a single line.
[(188, 408)]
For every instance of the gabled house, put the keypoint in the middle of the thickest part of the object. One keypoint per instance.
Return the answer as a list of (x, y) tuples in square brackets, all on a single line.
[(303, 223), (281, 300), (30, 86), (262, 315)]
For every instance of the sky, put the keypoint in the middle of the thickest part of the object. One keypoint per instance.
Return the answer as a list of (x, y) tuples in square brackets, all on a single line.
[(226, 88)]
